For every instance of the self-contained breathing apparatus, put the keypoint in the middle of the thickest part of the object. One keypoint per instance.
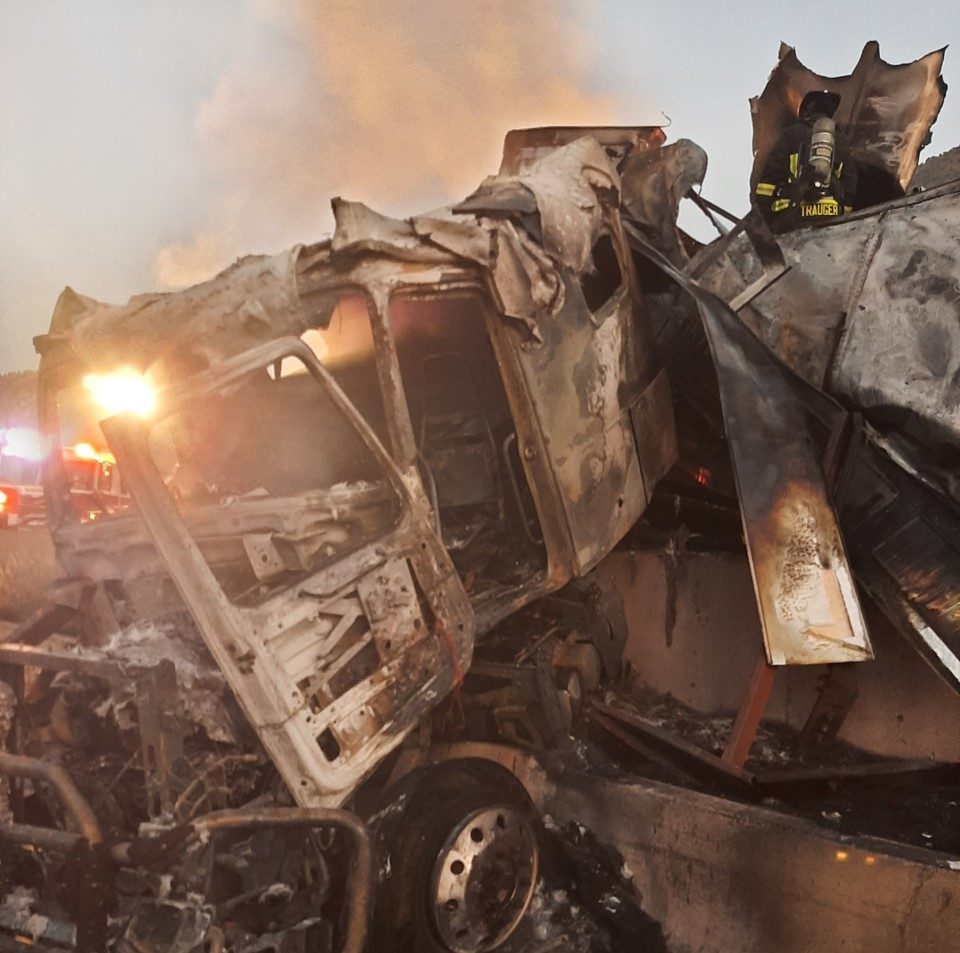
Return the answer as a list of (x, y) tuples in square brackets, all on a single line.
[(804, 179), (823, 148)]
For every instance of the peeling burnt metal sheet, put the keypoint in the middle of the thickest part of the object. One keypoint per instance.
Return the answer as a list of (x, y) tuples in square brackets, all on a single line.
[(886, 113), (523, 147), (258, 298), (653, 184), (249, 302), (805, 591)]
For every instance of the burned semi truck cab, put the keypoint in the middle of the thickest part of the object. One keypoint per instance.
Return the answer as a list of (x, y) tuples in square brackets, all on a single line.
[(347, 460)]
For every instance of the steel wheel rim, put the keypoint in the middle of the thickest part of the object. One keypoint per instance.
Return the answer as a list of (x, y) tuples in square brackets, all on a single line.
[(483, 879)]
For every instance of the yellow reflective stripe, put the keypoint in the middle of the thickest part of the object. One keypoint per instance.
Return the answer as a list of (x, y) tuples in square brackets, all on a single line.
[(839, 171), (780, 204), (766, 188), (847, 209), (794, 164)]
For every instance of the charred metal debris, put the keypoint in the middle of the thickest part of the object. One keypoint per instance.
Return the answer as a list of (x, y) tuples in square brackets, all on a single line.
[(341, 661)]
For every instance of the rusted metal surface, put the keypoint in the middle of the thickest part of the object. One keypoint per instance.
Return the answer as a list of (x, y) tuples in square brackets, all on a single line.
[(359, 875), (668, 748), (805, 591), (73, 801), (885, 112), (719, 875), (755, 700)]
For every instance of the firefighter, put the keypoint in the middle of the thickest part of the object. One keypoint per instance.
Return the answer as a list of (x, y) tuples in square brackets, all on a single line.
[(808, 177)]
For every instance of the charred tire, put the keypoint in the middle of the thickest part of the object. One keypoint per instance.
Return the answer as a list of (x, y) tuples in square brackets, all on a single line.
[(463, 859)]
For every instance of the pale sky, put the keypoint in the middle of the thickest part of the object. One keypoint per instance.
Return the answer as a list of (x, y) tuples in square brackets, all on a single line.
[(146, 144)]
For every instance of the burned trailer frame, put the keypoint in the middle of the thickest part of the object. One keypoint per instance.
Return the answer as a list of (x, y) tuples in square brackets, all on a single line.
[(589, 432)]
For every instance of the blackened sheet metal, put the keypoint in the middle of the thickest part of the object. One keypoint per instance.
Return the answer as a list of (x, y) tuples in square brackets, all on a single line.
[(886, 112), (938, 170), (904, 541), (653, 183), (805, 591), (665, 747), (869, 313)]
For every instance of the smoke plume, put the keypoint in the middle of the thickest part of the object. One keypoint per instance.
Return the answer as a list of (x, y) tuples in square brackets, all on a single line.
[(402, 104)]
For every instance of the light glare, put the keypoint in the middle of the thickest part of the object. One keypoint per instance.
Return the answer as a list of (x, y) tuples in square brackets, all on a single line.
[(125, 391), (23, 443), (86, 451)]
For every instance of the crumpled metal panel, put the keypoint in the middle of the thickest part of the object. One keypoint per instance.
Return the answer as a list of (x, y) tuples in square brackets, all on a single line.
[(575, 390), (258, 298), (901, 339), (868, 311), (653, 183), (904, 540), (523, 147), (886, 111), (805, 591), (252, 301)]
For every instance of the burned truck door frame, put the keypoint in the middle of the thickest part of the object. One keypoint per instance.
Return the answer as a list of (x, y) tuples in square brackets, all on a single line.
[(403, 583), (476, 405), (596, 411)]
